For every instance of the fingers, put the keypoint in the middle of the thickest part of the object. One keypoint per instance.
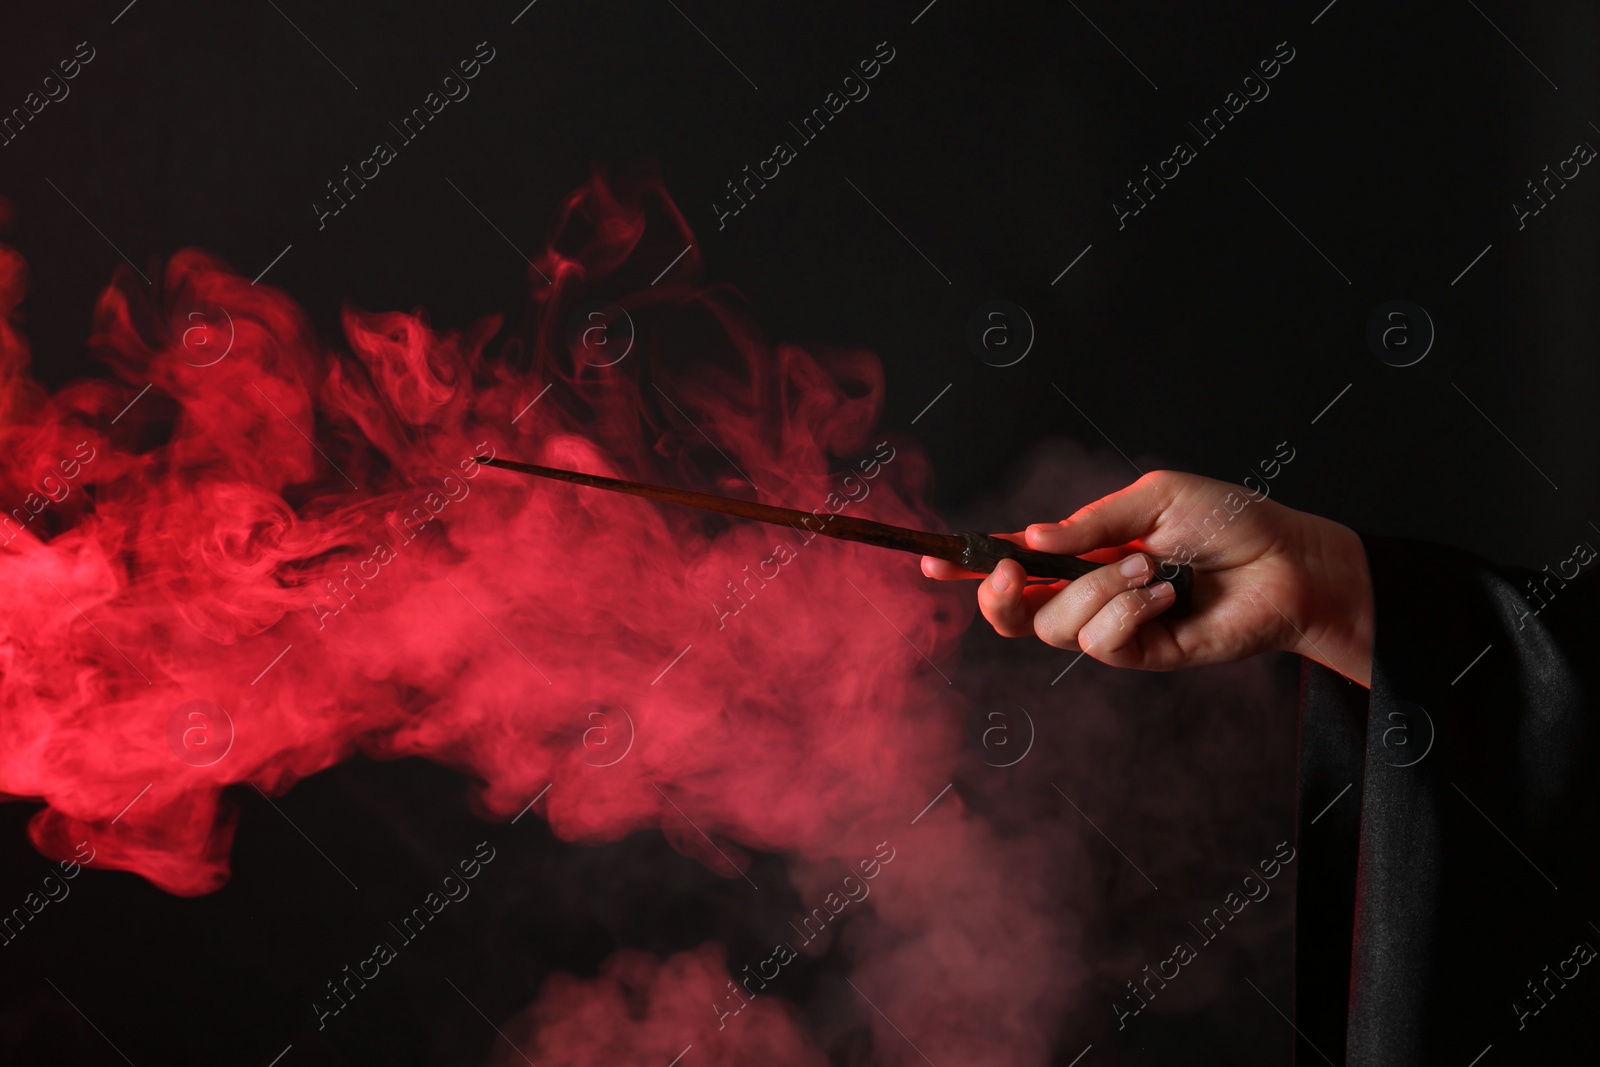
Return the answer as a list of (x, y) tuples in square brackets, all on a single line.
[(1009, 603), (945, 571), (1000, 598), (1112, 636), (1100, 613), (1123, 517)]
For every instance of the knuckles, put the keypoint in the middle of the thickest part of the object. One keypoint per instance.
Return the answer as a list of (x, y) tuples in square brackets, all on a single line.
[(1053, 635), (1162, 479)]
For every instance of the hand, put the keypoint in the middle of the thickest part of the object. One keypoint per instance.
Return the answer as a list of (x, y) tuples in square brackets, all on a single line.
[(1267, 578)]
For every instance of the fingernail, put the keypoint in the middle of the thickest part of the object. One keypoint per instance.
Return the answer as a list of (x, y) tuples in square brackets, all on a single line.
[(1135, 566), (1162, 591), (998, 581)]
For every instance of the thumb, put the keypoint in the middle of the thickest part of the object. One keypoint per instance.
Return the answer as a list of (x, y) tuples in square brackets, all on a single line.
[(1126, 515)]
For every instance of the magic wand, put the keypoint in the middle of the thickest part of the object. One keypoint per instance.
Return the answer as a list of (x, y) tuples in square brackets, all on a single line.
[(976, 552)]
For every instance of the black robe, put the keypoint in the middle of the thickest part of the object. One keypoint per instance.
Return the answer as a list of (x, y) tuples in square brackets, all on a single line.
[(1447, 899)]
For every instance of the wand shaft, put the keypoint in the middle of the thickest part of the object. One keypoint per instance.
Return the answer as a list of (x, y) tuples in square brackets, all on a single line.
[(843, 527)]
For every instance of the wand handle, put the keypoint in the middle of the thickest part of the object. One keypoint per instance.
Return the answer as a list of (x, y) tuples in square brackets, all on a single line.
[(983, 553)]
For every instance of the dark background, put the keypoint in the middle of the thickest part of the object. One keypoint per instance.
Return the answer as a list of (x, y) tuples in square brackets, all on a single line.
[(1198, 337)]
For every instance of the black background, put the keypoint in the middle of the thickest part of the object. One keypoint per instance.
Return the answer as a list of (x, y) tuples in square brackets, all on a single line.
[(1197, 337)]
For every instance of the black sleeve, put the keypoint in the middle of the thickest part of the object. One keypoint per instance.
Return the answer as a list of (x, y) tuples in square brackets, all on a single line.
[(1447, 892)]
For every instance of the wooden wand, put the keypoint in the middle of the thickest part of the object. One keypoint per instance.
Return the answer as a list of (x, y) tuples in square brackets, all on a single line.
[(976, 552)]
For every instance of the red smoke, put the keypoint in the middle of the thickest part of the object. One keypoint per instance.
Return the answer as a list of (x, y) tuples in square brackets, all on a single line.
[(279, 555), (269, 491), (639, 1010)]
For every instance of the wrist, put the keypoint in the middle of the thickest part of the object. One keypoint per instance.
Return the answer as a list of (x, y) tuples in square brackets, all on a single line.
[(1336, 600)]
